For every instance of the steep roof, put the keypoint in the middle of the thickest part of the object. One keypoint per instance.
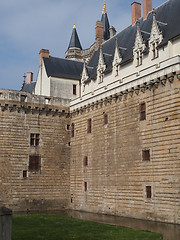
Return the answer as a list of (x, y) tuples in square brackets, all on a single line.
[(63, 68), (105, 21), (28, 87), (168, 19), (74, 41)]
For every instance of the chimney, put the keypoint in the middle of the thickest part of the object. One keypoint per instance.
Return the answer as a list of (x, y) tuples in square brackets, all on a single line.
[(112, 31), (136, 12), (99, 32), (147, 7), (29, 77), (43, 53)]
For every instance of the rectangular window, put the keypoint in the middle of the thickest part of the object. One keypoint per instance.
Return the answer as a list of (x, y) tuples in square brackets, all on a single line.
[(85, 186), (74, 89), (105, 119), (89, 125), (24, 173), (146, 155), (72, 130), (155, 52), (142, 111), (139, 57), (34, 139), (85, 161), (34, 163), (148, 192)]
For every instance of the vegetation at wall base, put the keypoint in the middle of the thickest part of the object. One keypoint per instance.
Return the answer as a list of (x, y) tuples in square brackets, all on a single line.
[(56, 227)]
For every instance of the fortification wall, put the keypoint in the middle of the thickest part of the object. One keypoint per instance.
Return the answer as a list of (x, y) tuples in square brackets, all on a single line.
[(34, 174), (108, 172)]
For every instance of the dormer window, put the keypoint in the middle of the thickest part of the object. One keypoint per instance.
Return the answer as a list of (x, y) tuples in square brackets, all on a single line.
[(117, 70)]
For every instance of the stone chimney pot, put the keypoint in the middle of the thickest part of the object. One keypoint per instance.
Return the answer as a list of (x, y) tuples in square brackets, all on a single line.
[(43, 53), (29, 77), (147, 7), (136, 12)]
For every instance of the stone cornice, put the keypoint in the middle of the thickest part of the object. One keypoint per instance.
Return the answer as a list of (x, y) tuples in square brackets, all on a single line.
[(150, 86), (28, 108)]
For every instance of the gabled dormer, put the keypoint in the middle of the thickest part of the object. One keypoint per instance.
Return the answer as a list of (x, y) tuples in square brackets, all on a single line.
[(84, 76), (139, 46), (101, 67), (155, 38), (117, 59)]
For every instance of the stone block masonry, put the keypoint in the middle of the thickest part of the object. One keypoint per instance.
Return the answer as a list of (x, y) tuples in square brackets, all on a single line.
[(35, 152), (132, 153)]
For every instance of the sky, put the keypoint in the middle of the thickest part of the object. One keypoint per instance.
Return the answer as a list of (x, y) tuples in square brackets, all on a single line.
[(27, 26)]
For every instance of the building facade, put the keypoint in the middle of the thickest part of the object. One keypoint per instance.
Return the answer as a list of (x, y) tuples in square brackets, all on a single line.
[(100, 135)]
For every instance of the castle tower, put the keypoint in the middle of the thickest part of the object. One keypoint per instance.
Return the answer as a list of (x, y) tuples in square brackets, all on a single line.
[(74, 49)]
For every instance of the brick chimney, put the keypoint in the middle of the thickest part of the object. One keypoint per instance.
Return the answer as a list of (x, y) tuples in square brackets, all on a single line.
[(29, 77), (136, 12), (147, 7), (43, 53), (99, 32)]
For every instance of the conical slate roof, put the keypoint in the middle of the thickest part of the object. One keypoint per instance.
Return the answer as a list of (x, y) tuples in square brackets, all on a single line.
[(74, 42), (105, 21)]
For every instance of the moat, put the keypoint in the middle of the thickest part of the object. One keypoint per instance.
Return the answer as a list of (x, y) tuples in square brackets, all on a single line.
[(169, 231)]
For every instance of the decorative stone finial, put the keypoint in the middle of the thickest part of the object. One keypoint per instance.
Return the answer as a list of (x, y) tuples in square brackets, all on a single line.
[(104, 8)]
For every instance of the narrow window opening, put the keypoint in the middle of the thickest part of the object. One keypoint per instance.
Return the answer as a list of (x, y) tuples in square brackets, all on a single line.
[(89, 123), (72, 130), (148, 192), (85, 161), (74, 89), (105, 119), (24, 173), (139, 58), (85, 186), (142, 111), (68, 127), (23, 98), (146, 155)]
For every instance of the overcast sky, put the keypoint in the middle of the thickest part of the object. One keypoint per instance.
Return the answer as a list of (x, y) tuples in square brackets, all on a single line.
[(27, 26)]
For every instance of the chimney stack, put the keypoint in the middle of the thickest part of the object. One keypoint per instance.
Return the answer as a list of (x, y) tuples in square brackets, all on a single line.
[(43, 53), (99, 32), (112, 31), (147, 7), (136, 12), (29, 77)]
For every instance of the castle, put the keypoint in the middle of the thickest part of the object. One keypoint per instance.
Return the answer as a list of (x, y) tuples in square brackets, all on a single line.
[(99, 130)]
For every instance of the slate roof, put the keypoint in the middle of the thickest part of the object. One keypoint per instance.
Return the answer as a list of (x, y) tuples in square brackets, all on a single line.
[(168, 18), (106, 26), (28, 87), (63, 68), (74, 41)]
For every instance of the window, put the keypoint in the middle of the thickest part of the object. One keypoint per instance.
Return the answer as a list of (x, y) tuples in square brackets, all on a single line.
[(72, 130), (139, 57), (89, 125), (105, 119), (155, 52), (85, 186), (146, 155), (24, 173), (85, 161), (148, 192), (34, 139), (100, 75), (74, 89), (34, 163), (68, 127), (23, 98), (142, 111)]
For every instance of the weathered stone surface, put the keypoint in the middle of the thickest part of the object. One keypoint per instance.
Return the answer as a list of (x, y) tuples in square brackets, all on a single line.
[(116, 176)]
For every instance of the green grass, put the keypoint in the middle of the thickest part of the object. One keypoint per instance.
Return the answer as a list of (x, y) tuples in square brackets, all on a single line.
[(55, 227)]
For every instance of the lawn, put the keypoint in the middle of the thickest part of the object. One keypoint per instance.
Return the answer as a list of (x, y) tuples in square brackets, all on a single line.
[(55, 227)]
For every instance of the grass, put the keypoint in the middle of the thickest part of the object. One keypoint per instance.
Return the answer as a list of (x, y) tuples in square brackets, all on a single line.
[(55, 227)]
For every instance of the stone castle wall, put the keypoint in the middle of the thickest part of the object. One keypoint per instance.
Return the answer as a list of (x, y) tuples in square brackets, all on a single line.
[(108, 174), (47, 188)]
